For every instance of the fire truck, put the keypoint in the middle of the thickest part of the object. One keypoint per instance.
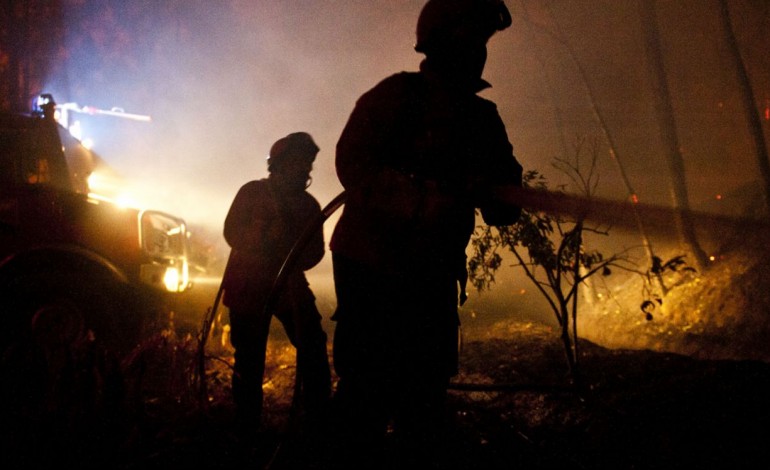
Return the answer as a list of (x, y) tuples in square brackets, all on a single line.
[(76, 266)]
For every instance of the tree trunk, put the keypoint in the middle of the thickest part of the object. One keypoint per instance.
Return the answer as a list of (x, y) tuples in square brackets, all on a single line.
[(749, 101), (667, 123)]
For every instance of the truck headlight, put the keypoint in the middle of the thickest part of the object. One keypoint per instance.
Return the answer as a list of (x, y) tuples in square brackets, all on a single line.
[(171, 279), (176, 278)]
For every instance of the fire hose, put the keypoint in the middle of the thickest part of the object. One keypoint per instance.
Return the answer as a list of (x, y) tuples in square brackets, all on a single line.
[(620, 214)]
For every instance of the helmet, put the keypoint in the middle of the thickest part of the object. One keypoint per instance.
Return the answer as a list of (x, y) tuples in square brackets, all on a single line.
[(298, 145), (445, 22)]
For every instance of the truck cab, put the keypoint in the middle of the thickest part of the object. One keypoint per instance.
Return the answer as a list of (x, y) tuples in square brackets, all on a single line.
[(73, 263)]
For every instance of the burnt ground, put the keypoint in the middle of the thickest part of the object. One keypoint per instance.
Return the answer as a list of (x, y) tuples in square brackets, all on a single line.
[(511, 407)]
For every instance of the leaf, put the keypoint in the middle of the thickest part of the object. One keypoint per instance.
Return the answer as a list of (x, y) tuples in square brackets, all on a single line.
[(675, 261), (606, 271)]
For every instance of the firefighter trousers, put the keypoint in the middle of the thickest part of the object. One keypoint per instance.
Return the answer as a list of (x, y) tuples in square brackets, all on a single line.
[(250, 329)]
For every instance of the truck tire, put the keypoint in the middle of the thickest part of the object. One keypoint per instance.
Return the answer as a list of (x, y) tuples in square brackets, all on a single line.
[(62, 344), (81, 302)]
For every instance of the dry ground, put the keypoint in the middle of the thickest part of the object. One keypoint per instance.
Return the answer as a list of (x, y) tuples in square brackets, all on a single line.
[(511, 406)]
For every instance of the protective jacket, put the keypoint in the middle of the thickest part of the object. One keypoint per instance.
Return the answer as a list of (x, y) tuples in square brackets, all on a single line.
[(261, 227), (416, 158)]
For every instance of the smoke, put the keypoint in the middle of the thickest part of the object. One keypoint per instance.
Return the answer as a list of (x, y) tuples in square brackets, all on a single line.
[(222, 83), (223, 80)]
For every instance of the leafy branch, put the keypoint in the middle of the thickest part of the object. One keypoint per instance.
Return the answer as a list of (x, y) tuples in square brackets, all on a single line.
[(550, 249), (675, 269)]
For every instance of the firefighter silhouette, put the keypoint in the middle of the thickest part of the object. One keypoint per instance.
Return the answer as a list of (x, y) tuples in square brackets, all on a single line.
[(419, 153), (265, 219)]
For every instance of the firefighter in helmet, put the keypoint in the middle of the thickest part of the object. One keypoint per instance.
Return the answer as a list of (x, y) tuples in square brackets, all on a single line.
[(265, 219), (420, 152)]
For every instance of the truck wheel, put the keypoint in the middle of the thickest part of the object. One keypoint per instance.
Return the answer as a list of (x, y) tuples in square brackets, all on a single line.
[(57, 325), (80, 302), (60, 361)]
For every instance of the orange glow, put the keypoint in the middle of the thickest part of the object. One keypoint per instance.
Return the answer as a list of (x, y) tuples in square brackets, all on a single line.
[(103, 187)]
